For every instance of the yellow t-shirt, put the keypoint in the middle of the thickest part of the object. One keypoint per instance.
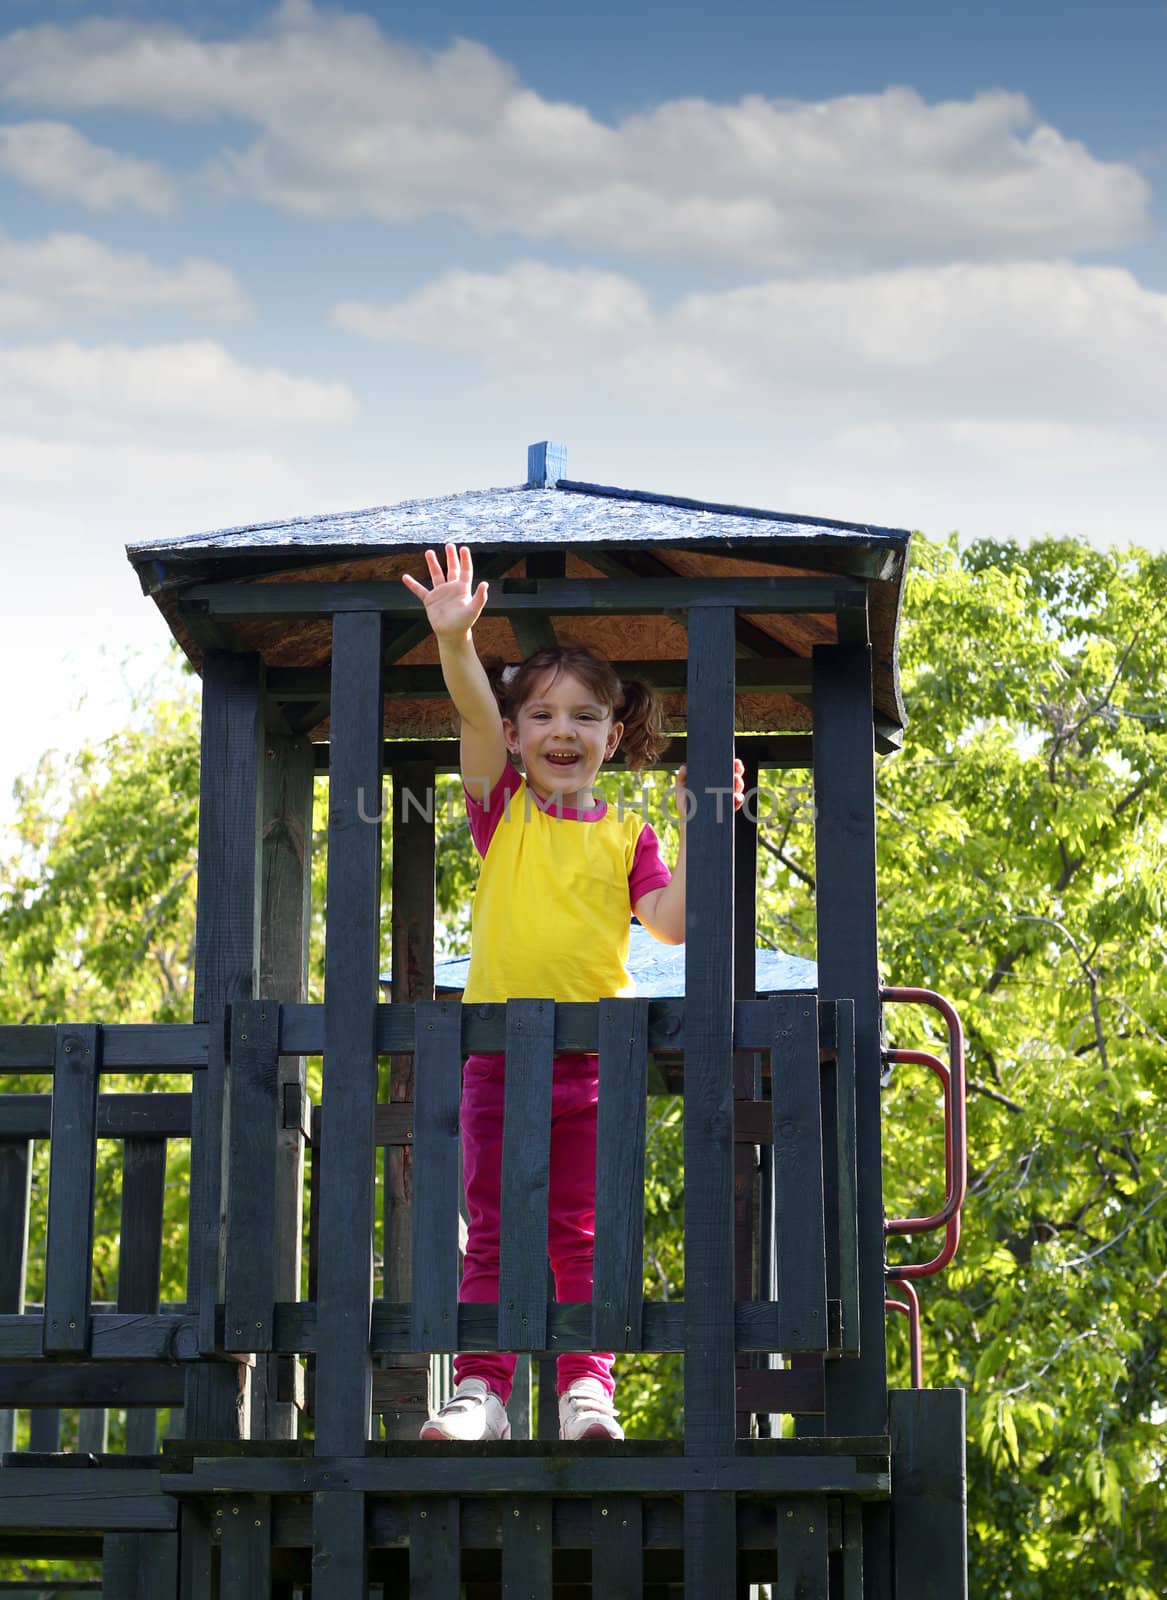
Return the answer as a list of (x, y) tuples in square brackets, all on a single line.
[(552, 910)]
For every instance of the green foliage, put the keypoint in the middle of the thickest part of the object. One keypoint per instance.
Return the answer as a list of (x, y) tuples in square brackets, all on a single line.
[(1021, 853)]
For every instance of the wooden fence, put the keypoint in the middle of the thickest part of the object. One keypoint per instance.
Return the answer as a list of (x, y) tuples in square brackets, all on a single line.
[(634, 1515)]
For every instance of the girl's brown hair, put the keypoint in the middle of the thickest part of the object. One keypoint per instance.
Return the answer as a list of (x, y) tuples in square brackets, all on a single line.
[(634, 703)]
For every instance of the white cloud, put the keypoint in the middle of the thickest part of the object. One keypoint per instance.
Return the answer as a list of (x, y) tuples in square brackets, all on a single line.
[(1026, 339), (58, 161), (70, 272), (98, 389), (353, 123)]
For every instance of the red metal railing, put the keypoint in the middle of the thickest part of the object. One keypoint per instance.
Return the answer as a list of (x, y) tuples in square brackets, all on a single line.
[(953, 1082)]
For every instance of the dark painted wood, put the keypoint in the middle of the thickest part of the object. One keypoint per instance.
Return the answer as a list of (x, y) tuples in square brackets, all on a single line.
[(245, 1548), (139, 1566), (526, 1159), (848, 969), (254, 1115), (285, 888), (851, 1555), (563, 597), (798, 1174), (340, 1566), (352, 964), (526, 1547), (929, 1494), (119, 1116), (413, 890), (85, 1497), (435, 1548), (617, 1547), (126, 1047), (802, 1549), (618, 1281), (847, 1173), (437, 1090), (15, 1193), (226, 970), (44, 1430), (52, 1384), (72, 1159), (194, 1551), (140, 1254)]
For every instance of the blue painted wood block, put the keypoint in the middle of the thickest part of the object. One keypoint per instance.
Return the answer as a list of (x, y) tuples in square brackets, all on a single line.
[(546, 464)]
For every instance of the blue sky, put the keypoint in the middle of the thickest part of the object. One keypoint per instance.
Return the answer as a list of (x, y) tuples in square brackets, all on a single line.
[(899, 263)]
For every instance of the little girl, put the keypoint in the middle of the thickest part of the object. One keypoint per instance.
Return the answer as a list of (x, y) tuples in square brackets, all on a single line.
[(560, 877)]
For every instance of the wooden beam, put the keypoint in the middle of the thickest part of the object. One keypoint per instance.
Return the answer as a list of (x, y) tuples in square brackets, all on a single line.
[(774, 752)]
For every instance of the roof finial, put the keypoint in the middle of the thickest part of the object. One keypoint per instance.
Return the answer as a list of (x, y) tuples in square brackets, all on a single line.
[(546, 464)]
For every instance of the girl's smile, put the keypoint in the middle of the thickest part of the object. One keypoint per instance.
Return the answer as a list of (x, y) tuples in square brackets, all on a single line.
[(563, 736)]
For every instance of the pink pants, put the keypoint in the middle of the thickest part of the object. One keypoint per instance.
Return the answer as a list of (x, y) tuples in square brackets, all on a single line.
[(571, 1208)]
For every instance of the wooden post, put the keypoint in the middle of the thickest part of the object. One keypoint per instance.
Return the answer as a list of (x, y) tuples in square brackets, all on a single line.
[(285, 917), (15, 1193), (72, 1163), (140, 1258), (929, 1494), (746, 1076), (710, 1390), (226, 956), (352, 950), (414, 811)]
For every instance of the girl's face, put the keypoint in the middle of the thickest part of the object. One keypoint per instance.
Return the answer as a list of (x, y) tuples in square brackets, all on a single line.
[(563, 735)]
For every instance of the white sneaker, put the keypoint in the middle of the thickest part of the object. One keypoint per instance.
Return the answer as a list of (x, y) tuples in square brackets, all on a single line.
[(586, 1412), (473, 1411)]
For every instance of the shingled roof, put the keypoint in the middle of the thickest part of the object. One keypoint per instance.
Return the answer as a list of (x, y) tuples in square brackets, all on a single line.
[(548, 527)]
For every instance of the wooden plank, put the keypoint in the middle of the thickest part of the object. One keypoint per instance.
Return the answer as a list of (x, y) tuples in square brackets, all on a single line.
[(352, 966), (85, 1498), (50, 1384), (285, 889), (245, 1551), (526, 1546), (196, 1574), (852, 1553), (437, 1088), (253, 1092), (44, 1431), (848, 968), (413, 897), (929, 1494), (226, 970), (783, 596), (15, 1193), (617, 1547), (435, 1548), (72, 1162), (618, 1282), (127, 1047), (526, 1164), (119, 1116), (847, 1178), (710, 1525), (802, 1549), (708, 1135), (139, 1566), (340, 1566), (140, 1254), (798, 1173)]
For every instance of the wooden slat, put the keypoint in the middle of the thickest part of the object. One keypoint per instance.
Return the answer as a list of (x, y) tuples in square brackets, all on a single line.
[(85, 1497), (434, 1549), (119, 1116), (139, 1566), (352, 964), (563, 597), (798, 1174), (340, 1566), (618, 1283), (140, 1255), (526, 1160), (15, 1192), (245, 1550), (848, 969), (44, 1430), (72, 1163), (526, 1547), (437, 1091), (802, 1549), (226, 970), (847, 1178), (52, 1384), (253, 1092), (127, 1047), (929, 1493), (617, 1547), (710, 1392), (196, 1578)]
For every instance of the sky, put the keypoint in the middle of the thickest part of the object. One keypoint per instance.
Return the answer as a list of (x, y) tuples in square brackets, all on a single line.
[(899, 263)]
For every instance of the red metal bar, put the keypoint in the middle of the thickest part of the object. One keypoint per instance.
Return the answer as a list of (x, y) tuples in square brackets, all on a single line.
[(955, 1134), (910, 1306)]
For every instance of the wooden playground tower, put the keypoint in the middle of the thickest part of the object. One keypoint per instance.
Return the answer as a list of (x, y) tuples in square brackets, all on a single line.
[(771, 636)]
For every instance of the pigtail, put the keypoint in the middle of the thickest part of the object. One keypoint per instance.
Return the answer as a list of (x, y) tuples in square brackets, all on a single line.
[(499, 676), (642, 712)]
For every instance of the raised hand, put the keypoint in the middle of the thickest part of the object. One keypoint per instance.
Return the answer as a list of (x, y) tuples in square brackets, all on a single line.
[(452, 605), (738, 793)]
